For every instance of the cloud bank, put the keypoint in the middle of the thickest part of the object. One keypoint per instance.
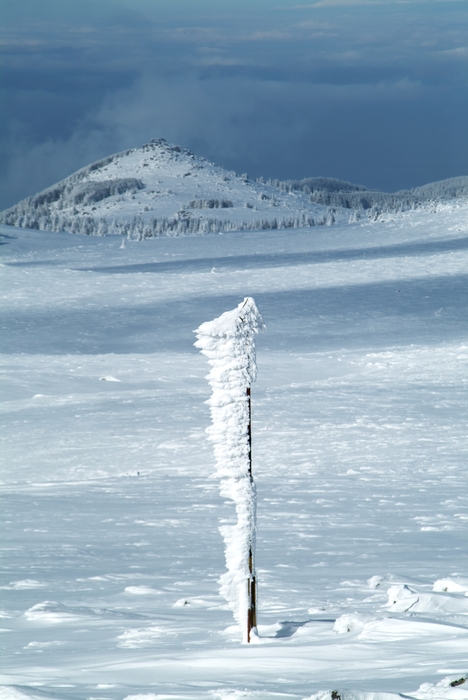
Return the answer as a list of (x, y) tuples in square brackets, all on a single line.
[(376, 95)]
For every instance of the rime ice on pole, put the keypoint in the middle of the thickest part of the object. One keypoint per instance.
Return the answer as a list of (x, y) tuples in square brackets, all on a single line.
[(228, 343)]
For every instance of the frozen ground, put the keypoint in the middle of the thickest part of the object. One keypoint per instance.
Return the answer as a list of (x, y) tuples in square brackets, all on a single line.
[(112, 552)]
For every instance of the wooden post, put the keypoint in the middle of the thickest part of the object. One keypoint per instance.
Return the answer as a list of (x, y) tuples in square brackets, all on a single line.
[(249, 429), (251, 582)]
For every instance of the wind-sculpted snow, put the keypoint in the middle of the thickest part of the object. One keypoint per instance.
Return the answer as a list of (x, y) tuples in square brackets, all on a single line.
[(228, 343)]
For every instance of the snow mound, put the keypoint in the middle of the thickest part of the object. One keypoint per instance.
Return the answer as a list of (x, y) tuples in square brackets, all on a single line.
[(452, 585), (49, 612), (235, 694), (141, 590), (352, 622), (195, 602), (24, 584), (354, 695), (449, 688), (402, 598), (375, 582), (138, 638)]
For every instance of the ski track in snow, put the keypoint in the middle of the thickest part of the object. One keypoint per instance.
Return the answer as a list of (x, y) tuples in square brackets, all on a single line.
[(111, 548)]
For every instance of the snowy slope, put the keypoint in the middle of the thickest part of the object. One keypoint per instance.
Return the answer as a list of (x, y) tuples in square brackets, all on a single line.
[(337, 193), (112, 550), (163, 189)]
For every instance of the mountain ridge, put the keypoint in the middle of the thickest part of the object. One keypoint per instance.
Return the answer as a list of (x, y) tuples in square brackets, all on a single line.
[(164, 189), (339, 193)]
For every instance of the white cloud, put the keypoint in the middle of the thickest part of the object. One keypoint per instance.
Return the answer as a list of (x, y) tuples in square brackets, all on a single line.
[(221, 61), (458, 52), (313, 24), (268, 35)]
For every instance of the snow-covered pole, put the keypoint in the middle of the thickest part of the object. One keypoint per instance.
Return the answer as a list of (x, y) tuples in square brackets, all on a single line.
[(228, 343)]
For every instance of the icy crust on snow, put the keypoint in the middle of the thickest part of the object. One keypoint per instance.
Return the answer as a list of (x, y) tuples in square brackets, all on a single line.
[(228, 343)]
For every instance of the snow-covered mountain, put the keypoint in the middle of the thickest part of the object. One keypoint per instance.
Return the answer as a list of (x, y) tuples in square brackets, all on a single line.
[(163, 189)]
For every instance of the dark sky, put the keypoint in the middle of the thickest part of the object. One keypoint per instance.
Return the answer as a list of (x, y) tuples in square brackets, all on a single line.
[(371, 91)]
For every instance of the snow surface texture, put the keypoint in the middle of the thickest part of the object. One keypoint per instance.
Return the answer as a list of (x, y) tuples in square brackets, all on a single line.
[(162, 189), (228, 343), (111, 550)]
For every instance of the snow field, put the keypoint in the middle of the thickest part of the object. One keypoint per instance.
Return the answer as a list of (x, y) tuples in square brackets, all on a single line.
[(112, 553)]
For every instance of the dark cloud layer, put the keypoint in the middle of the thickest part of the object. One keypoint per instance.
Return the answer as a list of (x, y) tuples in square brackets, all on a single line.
[(366, 91)]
